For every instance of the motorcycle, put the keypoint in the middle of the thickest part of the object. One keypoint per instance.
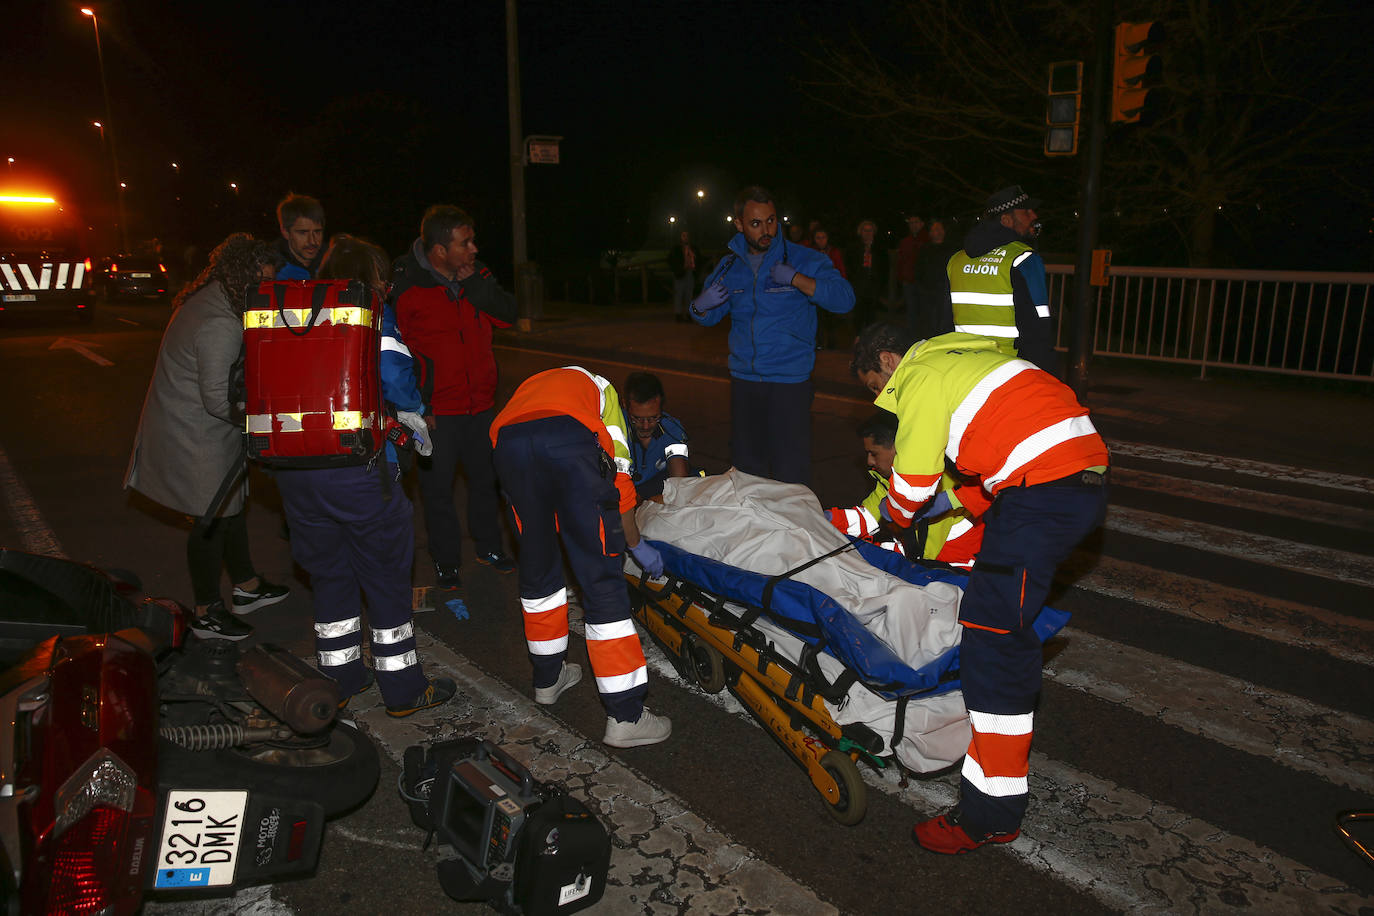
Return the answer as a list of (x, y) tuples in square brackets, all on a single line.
[(137, 759)]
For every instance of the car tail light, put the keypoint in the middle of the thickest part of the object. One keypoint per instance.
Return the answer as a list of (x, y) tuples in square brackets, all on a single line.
[(162, 267), (93, 813), (88, 265), (84, 873), (114, 267)]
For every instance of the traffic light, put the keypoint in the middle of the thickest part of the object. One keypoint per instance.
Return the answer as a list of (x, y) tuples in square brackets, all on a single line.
[(1134, 70), (1064, 102)]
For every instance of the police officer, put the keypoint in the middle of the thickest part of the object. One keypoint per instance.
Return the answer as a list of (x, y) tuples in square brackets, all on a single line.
[(997, 281)]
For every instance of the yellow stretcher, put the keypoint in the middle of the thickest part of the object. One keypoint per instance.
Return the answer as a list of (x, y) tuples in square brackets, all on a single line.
[(715, 652)]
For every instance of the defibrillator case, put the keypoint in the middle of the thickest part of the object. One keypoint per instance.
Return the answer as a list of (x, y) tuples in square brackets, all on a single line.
[(524, 846), (312, 386)]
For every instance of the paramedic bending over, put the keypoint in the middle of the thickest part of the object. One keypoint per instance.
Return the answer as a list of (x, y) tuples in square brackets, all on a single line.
[(1021, 432), (353, 531), (562, 456)]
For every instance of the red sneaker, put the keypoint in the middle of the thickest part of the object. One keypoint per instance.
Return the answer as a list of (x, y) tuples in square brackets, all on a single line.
[(944, 835)]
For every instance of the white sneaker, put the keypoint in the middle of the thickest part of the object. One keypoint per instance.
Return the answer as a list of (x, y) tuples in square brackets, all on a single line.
[(650, 729), (570, 675)]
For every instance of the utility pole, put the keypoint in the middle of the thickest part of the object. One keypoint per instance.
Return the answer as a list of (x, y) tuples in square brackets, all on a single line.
[(1080, 343), (109, 124), (517, 167)]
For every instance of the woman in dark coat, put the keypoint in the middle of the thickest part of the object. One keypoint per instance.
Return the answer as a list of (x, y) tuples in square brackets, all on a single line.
[(190, 434)]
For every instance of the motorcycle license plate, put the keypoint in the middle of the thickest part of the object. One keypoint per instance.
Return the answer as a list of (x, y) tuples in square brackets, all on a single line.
[(200, 838)]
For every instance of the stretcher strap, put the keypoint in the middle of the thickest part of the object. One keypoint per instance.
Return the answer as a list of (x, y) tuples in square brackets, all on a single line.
[(833, 693), (773, 582), (899, 725)]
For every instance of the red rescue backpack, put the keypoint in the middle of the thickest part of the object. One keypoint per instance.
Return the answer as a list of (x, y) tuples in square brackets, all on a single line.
[(313, 389)]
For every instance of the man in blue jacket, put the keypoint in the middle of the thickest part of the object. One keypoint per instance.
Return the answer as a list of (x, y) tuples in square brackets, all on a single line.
[(770, 289)]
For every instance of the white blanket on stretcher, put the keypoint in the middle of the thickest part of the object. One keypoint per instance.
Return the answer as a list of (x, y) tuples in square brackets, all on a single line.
[(768, 527)]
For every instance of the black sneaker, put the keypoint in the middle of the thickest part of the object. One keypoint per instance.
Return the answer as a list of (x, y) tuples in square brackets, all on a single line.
[(448, 576), (439, 691), (246, 602), (497, 561), (217, 623)]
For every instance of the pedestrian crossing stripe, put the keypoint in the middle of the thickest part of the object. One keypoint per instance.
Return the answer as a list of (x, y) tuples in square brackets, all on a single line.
[(22, 278)]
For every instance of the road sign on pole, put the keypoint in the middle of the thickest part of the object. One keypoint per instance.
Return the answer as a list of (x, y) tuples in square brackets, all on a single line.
[(542, 150)]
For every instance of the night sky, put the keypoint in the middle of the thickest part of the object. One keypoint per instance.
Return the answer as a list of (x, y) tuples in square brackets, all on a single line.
[(382, 109)]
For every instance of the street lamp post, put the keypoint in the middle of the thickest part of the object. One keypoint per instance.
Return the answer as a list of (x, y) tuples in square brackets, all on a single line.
[(114, 154)]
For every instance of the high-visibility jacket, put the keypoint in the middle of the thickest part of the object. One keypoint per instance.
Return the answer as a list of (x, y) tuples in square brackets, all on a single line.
[(954, 538), (980, 293), (586, 397), (999, 419)]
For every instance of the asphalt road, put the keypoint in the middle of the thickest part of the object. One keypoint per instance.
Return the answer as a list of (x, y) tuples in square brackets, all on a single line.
[(1205, 715)]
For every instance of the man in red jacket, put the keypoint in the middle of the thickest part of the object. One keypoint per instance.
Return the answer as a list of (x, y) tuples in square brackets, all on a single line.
[(446, 303)]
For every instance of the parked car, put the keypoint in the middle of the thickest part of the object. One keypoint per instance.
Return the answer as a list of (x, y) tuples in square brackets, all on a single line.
[(134, 276)]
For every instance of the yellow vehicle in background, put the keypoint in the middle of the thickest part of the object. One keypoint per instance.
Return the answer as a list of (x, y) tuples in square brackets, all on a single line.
[(44, 264)]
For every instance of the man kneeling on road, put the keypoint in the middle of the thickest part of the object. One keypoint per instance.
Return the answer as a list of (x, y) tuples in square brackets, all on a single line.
[(1024, 435), (561, 454)]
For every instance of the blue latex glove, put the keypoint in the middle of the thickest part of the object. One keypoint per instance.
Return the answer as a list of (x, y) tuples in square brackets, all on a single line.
[(937, 506), (885, 510), (783, 273), (648, 558), (711, 297)]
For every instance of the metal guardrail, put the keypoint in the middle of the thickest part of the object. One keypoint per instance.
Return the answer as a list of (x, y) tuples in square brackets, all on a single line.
[(1290, 322)]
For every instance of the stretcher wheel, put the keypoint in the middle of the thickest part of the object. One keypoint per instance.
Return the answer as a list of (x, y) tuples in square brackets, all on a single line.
[(852, 804), (706, 665)]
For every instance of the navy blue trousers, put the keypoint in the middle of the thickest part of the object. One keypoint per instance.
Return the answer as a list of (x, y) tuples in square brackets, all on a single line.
[(770, 429), (560, 484), (1027, 533), (354, 542)]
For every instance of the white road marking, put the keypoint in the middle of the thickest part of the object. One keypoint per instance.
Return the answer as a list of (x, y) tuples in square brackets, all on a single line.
[(1286, 622), (1289, 730), (1316, 510), (343, 830), (251, 901), (34, 532), (1326, 562), (1264, 469), (1115, 844), (646, 819), (82, 347)]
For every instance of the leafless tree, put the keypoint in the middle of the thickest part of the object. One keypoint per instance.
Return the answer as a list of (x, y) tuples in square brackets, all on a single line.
[(1263, 103)]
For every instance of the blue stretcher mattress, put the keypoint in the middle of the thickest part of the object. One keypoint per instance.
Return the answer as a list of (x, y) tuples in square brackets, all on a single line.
[(793, 602)]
